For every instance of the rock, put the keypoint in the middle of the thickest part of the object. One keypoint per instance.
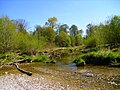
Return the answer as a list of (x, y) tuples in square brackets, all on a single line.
[(89, 75), (46, 62), (113, 83), (53, 61), (6, 72), (81, 64)]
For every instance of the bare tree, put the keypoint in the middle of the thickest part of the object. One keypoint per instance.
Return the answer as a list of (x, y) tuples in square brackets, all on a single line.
[(22, 25)]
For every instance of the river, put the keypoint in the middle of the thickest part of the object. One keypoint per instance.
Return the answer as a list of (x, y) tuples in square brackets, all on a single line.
[(60, 76)]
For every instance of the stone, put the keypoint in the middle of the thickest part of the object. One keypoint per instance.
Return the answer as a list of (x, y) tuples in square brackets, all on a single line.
[(81, 64)]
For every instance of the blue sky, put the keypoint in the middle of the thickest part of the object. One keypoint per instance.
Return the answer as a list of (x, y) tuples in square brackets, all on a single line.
[(78, 12)]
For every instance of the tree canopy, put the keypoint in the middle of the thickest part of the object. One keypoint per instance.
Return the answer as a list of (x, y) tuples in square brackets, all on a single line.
[(14, 34)]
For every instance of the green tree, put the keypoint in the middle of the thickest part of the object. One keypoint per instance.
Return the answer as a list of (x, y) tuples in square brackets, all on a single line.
[(90, 39), (74, 30), (89, 29), (7, 34), (101, 35), (81, 32), (50, 34), (108, 33), (73, 41), (114, 27), (38, 33), (63, 40), (46, 32), (63, 27), (51, 22), (78, 40)]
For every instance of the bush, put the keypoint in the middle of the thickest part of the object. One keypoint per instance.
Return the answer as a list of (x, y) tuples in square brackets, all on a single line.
[(3, 56), (115, 49), (99, 58), (79, 60), (28, 58), (40, 58)]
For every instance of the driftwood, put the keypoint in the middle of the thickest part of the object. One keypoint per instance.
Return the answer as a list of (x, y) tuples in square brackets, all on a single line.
[(16, 65), (18, 61), (21, 70)]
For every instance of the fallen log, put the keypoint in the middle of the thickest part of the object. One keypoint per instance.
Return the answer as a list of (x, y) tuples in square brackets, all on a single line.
[(21, 70), (18, 61)]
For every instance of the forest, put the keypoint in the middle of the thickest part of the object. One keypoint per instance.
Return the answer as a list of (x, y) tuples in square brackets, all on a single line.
[(15, 37)]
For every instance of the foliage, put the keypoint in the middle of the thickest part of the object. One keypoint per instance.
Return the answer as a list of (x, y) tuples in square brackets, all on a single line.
[(78, 40), (2, 56), (73, 41), (21, 24), (50, 34), (7, 34), (63, 39), (9, 57), (89, 41), (36, 58), (102, 34), (47, 32), (51, 22), (78, 60), (40, 58), (74, 30), (14, 35), (100, 58), (63, 27)]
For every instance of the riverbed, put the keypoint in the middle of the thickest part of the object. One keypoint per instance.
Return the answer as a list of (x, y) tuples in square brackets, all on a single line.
[(60, 76)]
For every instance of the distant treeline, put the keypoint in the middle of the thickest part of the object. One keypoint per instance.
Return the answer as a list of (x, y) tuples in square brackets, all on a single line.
[(14, 35)]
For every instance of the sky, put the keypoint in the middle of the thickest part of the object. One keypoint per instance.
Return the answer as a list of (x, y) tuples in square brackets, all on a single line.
[(77, 12)]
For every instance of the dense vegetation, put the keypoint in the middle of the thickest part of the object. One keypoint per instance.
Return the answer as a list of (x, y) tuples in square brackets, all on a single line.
[(100, 58), (104, 35), (14, 36), (105, 39)]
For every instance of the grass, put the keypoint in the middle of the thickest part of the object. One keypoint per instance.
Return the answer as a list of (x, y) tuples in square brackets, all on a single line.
[(99, 58), (78, 61), (14, 57), (40, 58)]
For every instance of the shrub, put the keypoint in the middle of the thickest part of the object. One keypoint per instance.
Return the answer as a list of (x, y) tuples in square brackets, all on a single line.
[(40, 58), (28, 58), (99, 58), (2, 56), (78, 60)]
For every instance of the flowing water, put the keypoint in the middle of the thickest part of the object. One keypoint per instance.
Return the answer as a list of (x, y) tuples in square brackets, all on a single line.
[(60, 76)]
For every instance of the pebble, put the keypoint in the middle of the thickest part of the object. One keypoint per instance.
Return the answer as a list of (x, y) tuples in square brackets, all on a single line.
[(113, 83), (6, 72)]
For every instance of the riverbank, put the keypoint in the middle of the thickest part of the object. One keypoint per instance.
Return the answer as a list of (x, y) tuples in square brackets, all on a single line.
[(38, 56), (60, 75), (54, 77), (107, 58)]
